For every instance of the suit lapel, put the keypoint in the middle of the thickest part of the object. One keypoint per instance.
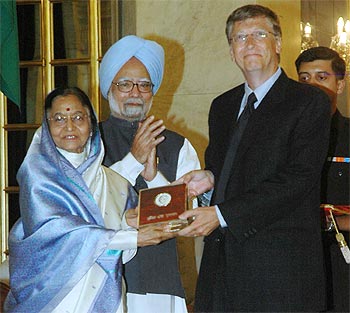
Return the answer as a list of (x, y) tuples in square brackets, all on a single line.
[(261, 117), (229, 108)]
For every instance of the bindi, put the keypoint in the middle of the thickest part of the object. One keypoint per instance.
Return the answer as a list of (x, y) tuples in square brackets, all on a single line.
[(67, 109)]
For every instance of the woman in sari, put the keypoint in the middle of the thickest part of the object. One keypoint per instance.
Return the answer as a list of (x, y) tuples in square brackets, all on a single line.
[(67, 249)]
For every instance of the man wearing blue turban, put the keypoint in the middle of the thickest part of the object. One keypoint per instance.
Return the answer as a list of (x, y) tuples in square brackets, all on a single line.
[(140, 149)]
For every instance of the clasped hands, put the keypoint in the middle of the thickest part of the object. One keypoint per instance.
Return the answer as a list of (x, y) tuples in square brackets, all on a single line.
[(205, 219), (143, 148)]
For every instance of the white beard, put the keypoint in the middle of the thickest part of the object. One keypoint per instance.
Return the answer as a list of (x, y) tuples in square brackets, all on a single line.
[(128, 112), (132, 111)]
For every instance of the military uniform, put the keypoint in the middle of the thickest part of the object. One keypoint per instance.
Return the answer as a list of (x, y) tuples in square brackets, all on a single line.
[(335, 190)]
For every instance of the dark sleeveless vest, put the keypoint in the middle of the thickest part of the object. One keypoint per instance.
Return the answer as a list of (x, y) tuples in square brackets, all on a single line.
[(154, 269)]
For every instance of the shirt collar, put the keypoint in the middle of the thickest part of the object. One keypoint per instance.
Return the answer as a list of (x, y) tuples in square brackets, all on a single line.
[(262, 90)]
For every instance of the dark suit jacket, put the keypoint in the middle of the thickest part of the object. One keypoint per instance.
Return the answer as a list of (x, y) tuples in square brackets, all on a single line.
[(270, 256)]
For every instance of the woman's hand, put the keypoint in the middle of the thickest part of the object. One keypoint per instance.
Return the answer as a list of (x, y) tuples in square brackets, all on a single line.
[(131, 217), (153, 234)]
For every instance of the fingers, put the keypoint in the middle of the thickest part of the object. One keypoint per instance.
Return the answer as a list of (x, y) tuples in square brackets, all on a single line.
[(186, 178), (177, 182), (205, 220), (198, 181), (187, 214), (150, 128), (187, 232), (193, 193), (131, 212), (153, 235), (150, 170), (147, 138)]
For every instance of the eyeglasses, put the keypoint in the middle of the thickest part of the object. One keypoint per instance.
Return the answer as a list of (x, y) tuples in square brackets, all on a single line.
[(128, 85), (60, 120), (258, 35)]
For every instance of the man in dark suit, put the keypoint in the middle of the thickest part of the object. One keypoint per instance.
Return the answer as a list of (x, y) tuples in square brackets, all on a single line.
[(324, 68), (263, 248)]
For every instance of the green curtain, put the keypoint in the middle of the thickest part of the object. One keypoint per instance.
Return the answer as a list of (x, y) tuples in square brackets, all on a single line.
[(9, 55)]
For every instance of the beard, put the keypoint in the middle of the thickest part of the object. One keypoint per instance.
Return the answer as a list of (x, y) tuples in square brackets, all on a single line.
[(133, 109)]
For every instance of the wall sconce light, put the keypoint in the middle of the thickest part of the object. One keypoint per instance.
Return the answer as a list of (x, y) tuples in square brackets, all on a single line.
[(341, 41), (307, 40)]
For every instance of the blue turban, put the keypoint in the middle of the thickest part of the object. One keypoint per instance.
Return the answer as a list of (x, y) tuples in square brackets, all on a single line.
[(150, 53)]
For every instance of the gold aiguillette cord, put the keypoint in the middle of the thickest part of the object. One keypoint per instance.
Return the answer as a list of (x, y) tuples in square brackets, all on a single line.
[(341, 241)]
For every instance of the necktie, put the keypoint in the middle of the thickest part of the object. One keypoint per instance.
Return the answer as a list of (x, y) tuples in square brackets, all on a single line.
[(232, 149)]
